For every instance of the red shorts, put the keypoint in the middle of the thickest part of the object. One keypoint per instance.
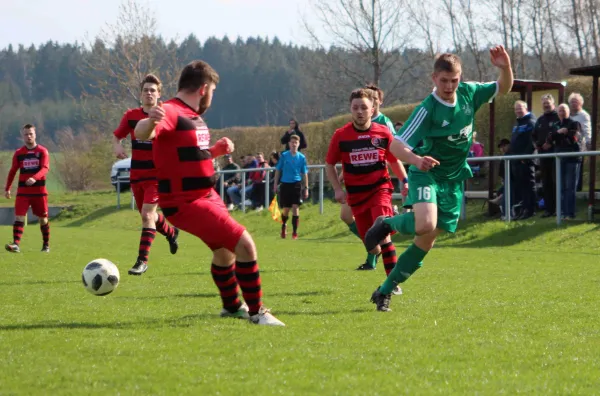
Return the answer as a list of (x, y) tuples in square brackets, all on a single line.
[(364, 220), (39, 205), (145, 192), (208, 219)]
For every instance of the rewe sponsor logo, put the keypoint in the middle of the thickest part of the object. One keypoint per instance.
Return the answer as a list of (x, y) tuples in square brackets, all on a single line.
[(203, 136), (31, 163), (364, 157)]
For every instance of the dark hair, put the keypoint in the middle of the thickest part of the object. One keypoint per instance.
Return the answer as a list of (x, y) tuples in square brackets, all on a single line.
[(274, 154), (297, 126), (503, 143), (399, 123), (375, 88), (151, 79), (447, 63), (27, 126), (195, 75), (362, 93)]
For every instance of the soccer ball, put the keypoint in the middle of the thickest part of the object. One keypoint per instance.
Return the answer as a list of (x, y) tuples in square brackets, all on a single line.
[(100, 277)]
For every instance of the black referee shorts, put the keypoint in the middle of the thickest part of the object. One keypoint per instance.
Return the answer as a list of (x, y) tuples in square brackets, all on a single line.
[(290, 194)]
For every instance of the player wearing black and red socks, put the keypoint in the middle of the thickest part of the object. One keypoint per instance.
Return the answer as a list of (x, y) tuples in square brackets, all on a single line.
[(186, 195), (33, 162), (143, 175)]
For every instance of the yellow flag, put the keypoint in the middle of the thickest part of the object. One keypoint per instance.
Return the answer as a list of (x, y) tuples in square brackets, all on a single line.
[(274, 209)]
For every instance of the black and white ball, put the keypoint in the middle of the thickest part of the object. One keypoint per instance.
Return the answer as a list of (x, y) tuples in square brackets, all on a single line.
[(100, 277)]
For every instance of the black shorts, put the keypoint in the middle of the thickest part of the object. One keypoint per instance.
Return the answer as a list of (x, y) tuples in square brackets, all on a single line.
[(290, 194)]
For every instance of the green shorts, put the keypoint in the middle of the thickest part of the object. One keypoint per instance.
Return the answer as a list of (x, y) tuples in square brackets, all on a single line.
[(447, 195)]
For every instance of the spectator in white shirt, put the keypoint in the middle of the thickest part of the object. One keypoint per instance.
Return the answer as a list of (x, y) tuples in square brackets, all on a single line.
[(580, 115)]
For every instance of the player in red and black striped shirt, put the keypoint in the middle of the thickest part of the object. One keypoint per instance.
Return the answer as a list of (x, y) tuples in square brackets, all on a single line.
[(362, 147), (33, 162), (186, 176), (144, 185)]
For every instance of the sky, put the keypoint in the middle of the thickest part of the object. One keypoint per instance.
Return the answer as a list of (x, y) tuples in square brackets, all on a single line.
[(67, 21)]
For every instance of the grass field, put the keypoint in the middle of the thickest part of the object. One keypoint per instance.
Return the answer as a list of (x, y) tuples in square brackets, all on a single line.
[(496, 309)]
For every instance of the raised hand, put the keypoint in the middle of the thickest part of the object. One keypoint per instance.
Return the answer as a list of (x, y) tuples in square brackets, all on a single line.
[(157, 113), (499, 57)]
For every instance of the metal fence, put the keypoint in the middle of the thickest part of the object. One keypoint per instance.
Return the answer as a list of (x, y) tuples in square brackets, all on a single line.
[(507, 187), (321, 181)]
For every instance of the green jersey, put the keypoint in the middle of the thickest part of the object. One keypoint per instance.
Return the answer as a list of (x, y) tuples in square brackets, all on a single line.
[(444, 131), (383, 120)]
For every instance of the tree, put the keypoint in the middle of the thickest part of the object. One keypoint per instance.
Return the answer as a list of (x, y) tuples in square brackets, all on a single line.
[(371, 30), (122, 54)]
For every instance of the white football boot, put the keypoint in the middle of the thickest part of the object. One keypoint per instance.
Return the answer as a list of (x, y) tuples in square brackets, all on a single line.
[(264, 317)]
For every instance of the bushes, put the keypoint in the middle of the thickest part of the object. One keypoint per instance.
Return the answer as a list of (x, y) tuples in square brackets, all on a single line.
[(86, 159)]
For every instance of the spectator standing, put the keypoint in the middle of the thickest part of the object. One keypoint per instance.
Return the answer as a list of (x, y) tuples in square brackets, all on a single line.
[(580, 115), (567, 139), (523, 171), (545, 125), (294, 130)]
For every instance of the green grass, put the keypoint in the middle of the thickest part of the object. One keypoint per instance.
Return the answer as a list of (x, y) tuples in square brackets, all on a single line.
[(496, 309)]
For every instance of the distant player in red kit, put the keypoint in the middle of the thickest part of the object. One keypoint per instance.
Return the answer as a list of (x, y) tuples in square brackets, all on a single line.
[(184, 162), (33, 162), (143, 175), (362, 147)]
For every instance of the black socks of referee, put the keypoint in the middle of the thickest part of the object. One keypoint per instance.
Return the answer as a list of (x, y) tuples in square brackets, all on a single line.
[(295, 220)]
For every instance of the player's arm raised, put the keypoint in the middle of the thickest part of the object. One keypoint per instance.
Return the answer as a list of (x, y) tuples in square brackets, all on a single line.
[(501, 60)]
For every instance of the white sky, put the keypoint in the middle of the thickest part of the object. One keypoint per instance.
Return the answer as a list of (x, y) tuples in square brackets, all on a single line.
[(67, 21)]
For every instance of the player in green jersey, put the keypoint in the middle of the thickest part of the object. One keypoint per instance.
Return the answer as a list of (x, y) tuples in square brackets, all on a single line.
[(345, 211), (435, 140)]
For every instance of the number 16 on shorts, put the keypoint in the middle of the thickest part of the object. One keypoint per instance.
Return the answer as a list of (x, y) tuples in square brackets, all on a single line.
[(424, 194)]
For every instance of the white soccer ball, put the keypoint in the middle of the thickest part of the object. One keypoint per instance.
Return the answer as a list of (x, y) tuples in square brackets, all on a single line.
[(100, 277)]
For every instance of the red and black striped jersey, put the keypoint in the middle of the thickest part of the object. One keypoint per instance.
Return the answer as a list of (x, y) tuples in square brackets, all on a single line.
[(31, 163), (363, 155), (183, 161), (142, 163)]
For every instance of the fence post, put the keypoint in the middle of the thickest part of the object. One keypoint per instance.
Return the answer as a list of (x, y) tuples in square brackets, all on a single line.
[(118, 193), (463, 209), (321, 188), (267, 185), (507, 203), (243, 188), (222, 187), (558, 189)]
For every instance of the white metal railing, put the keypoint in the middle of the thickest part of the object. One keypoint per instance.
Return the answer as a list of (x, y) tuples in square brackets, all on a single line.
[(321, 168), (558, 184)]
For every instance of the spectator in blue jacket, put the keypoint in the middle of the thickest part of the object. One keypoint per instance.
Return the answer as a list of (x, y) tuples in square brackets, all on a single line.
[(523, 171)]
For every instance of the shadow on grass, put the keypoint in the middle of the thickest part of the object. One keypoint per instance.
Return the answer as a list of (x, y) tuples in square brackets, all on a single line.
[(184, 321), (517, 232), (95, 215), (214, 295), (37, 282)]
